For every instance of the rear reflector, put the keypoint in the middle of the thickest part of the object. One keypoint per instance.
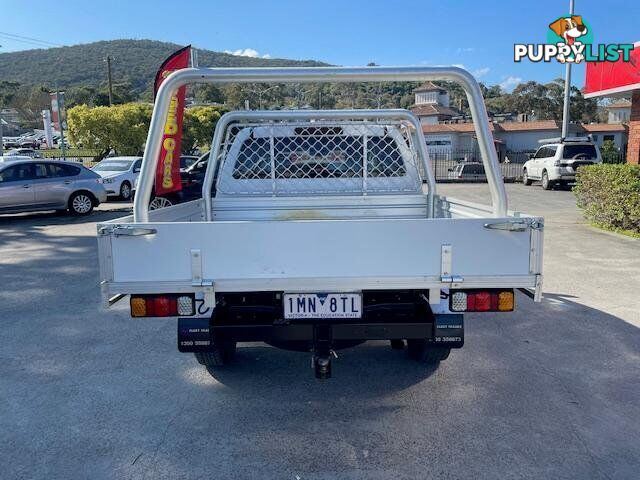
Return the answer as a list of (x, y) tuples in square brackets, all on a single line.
[(493, 300), (163, 305)]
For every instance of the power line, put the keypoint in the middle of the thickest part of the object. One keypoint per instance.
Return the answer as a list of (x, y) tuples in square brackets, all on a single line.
[(29, 40)]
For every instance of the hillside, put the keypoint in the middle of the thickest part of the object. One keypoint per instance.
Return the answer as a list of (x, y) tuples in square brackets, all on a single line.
[(134, 62)]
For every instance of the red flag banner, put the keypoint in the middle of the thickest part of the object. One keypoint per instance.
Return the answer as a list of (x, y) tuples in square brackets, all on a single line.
[(610, 78), (168, 169)]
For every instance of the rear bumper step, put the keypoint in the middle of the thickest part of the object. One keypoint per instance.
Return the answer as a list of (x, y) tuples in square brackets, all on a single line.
[(198, 334)]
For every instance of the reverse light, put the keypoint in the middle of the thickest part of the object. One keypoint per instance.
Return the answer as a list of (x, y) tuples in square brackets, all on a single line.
[(494, 300), (163, 305), (459, 302)]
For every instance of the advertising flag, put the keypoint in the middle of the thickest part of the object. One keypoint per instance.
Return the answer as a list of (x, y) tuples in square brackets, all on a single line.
[(168, 169)]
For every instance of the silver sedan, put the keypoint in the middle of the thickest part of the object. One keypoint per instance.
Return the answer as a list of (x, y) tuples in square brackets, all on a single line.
[(33, 185)]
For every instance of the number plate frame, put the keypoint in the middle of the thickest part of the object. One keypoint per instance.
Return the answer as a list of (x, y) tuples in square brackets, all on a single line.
[(300, 306)]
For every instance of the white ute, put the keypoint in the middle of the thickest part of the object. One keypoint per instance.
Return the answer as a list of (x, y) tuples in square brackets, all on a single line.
[(318, 230)]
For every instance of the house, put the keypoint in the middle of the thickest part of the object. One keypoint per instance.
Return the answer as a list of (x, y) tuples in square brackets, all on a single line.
[(10, 119), (458, 140), (619, 111), (432, 104)]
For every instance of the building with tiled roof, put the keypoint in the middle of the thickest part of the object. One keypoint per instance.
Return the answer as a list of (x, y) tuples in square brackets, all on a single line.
[(619, 111), (517, 136), (432, 104)]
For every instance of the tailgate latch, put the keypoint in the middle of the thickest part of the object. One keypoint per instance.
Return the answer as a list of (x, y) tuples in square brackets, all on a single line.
[(520, 225), (128, 231)]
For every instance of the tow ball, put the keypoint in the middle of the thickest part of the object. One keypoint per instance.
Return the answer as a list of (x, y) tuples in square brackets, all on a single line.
[(322, 365)]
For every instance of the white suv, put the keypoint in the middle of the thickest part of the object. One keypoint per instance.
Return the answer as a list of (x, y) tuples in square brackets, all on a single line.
[(556, 163)]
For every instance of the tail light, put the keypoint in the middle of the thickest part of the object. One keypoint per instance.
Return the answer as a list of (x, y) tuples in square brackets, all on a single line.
[(164, 305), (494, 300)]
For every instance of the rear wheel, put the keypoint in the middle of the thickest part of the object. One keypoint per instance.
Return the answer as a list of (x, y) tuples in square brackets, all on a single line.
[(546, 183), (525, 178), (80, 203), (159, 202), (423, 351), (221, 354)]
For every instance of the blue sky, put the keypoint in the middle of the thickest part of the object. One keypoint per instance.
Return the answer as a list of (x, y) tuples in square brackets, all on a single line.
[(478, 35)]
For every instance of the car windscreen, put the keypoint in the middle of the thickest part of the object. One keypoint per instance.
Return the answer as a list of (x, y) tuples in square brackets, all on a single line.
[(113, 166), (186, 162), (572, 152)]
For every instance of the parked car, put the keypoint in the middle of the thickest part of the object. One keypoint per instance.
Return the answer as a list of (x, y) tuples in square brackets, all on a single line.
[(468, 171), (24, 152), (119, 175), (10, 142), (29, 142), (191, 177), (14, 158), (187, 160), (557, 163), (33, 185)]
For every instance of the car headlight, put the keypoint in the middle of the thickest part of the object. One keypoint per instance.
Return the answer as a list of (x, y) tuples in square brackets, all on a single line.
[(107, 180)]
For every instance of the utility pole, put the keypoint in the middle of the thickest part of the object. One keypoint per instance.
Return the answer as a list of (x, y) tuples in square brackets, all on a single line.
[(109, 80), (567, 90), (1, 145)]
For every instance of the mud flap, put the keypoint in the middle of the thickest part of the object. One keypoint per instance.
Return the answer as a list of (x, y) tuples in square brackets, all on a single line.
[(194, 335), (448, 330)]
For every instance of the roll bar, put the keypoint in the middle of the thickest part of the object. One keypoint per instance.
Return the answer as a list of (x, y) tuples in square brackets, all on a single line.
[(186, 76)]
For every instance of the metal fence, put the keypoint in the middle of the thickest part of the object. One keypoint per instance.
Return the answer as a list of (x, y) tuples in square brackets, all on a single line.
[(449, 165)]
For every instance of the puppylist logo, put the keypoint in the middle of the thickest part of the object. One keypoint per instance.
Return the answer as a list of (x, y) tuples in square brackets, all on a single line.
[(570, 39)]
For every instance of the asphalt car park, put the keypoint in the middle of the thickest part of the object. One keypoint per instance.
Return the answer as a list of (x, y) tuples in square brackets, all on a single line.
[(550, 391)]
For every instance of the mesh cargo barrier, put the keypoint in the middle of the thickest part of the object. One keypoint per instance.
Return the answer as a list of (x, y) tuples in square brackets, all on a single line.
[(294, 158)]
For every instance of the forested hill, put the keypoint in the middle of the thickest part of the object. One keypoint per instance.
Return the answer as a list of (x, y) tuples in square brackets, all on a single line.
[(134, 62)]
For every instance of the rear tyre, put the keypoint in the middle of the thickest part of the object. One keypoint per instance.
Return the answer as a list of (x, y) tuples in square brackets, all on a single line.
[(125, 191), (422, 351), (220, 355), (81, 203), (397, 344), (525, 178), (546, 183)]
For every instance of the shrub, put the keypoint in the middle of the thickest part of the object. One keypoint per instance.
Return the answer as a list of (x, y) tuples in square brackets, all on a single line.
[(610, 195), (611, 153)]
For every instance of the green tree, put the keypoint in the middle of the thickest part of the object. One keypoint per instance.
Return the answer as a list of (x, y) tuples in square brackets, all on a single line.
[(208, 94), (8, 91), (198, 126), (610, 153), (122, 128)]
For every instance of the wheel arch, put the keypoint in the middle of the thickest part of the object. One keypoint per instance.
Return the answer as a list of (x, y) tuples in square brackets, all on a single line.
[(93, 198)]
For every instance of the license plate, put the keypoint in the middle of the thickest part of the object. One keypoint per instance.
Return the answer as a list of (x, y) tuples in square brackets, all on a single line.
[(322, 305)]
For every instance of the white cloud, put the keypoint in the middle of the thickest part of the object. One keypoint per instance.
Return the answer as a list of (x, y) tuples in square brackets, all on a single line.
[(465, 50), (481, 72), (247, 52), (510, 82)]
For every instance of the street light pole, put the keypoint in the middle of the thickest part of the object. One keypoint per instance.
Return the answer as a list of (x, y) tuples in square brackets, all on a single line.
[(567, 90), (260, 92)]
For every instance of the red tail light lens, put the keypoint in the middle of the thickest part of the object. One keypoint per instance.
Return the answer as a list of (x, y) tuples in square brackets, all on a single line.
[(494, 300), (164, 305), (481, 301)]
